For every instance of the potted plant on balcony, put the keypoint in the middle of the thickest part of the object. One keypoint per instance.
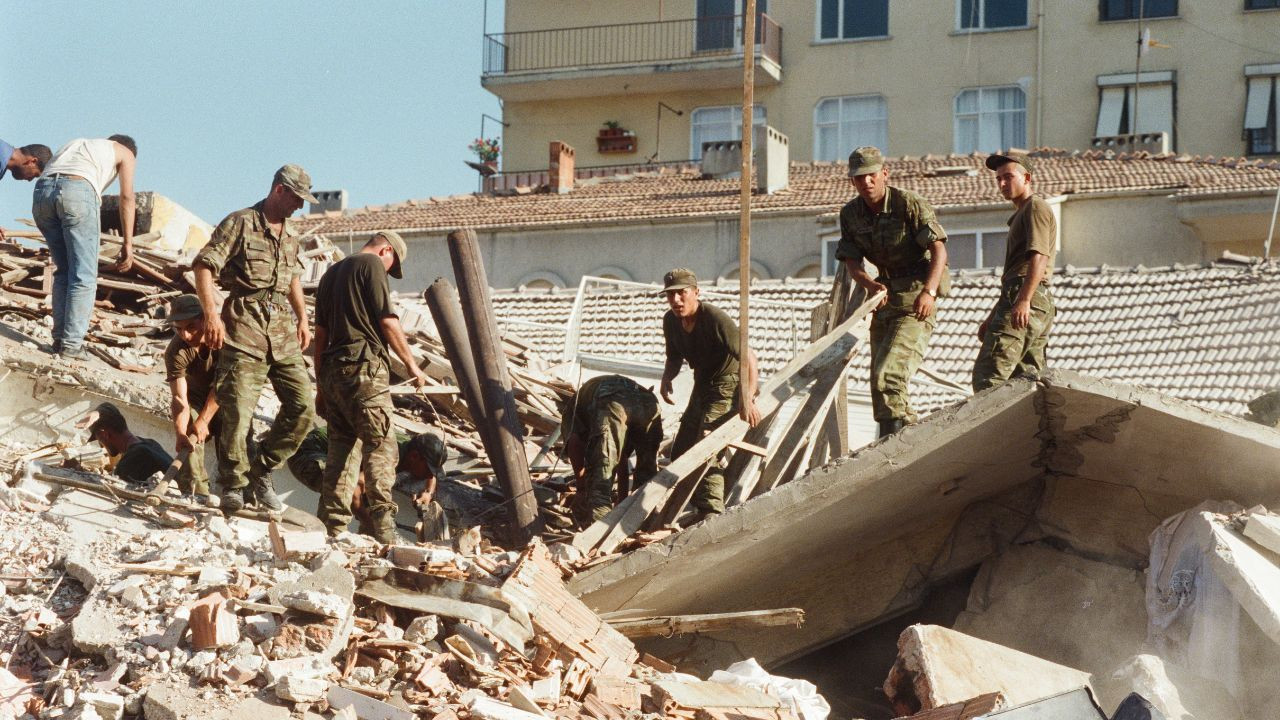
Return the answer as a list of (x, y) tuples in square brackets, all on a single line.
[(486, 149), (614, 138)]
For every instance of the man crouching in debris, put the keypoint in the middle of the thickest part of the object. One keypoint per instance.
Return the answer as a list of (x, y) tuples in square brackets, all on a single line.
[(704, 336), (422, 459), (254, 253), (189, 367), (602, 424), (1015, 334), (355, 323), (137, 459), (899, 233)]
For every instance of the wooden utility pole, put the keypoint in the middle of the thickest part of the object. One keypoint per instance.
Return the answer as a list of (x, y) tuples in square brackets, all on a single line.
[(507, 455), (442, 301), (744, 222)]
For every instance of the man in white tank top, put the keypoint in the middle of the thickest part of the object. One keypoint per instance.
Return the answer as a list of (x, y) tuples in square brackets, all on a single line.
[(67, 209)]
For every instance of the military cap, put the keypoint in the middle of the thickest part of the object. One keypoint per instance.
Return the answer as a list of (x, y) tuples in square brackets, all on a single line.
[(297, 180), (679, 279), (109, 417), (185, 307), (432, 450), (997, 161), (400, 248), (865, 160)]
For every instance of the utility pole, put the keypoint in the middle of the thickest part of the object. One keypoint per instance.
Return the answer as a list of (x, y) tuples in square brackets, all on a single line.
[(744, 223), (1137, 81)]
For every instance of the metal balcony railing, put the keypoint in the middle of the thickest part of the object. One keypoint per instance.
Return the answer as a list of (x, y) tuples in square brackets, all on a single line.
[(627, 44)]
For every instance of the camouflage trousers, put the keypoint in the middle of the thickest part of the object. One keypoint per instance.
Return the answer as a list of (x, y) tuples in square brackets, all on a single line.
[(898, 344), (308, 464), (710, 405), (193, 477), (1008, 351), (622, 421), (239, 382), (358, 409)]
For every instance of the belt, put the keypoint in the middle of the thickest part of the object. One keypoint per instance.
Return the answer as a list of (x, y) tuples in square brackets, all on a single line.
[(264, 294), (913, 272), (69, 176)]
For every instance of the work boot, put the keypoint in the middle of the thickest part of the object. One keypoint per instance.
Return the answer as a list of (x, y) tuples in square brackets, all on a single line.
[(889, 427), (232, 501), (263, 493)]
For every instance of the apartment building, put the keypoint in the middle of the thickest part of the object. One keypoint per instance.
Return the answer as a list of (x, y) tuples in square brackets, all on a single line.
[(911, 76)]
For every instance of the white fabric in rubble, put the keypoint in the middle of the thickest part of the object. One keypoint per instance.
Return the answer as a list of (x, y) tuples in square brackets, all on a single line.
[(801, 695)]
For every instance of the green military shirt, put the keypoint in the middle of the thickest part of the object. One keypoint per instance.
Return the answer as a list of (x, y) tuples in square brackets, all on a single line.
[(141, 460), (351, 301), (711, 348), (316, 443), (896, 239), (197, 364), (1032, 228), (255, 268), (602, 387)]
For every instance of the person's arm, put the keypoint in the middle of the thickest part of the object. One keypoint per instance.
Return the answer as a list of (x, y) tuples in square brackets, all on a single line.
[(125, 162), (394, 335), (299, 303), (937, 265), (1036, 265), (180, 411), (750, 379), (674, 362), (428, 493), (865, 281), (200, 426), (317, 356), (214, 331)]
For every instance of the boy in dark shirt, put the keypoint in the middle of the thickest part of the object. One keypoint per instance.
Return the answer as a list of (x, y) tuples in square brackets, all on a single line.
[(137, 458)]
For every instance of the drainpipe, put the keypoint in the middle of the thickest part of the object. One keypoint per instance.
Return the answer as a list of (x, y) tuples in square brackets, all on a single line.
[(1039, 72)]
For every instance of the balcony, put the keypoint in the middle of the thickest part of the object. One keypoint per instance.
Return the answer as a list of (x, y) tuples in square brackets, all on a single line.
[(662, 56)]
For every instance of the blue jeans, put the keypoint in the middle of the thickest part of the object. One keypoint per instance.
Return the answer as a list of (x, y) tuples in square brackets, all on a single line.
[(66, 209)]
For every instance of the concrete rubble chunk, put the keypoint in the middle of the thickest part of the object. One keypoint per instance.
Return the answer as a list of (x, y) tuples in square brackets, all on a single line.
[(94, 630), (1176, 693), (423, 629), (365, 707), (937, 666), (317, 603), (298, 689), (83, 569), (1264, 529), (303, 667)]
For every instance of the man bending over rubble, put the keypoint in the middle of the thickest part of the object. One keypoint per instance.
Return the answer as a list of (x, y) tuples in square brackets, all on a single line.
[(422, 459), (355, 323), (609, 417), (189, 366), (254, 254), (704, 336), (137, 459)]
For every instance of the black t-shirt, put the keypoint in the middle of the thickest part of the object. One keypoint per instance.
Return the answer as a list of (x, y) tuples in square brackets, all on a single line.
[(351, 302), (142, 460), (711, 348)]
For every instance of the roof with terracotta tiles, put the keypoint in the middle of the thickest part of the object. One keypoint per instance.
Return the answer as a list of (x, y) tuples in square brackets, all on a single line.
[(1206, 334), (814, 187)]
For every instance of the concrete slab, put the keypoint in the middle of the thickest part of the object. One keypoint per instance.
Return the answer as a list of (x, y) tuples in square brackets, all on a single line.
[(854, 542), (88, 514), (1251, 574)]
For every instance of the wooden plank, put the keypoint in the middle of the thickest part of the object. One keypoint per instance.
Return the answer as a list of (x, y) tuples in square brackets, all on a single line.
[(669, 625), (810, 417), (749, 448), (605, 535)]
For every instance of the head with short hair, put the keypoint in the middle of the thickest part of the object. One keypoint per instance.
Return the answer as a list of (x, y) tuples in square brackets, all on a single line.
[(187, 318), (110, 428), (1013, 174), (28, 161), (126, 141), (391, 248), (681, 289), (425, 456)]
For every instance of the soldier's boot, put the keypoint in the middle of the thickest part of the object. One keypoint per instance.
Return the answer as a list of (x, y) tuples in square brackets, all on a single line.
[(263, 492), (231, 501), (384, 527), (889, 427)]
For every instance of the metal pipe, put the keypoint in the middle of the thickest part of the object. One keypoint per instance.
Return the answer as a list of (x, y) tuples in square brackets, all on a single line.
[(507, 455)]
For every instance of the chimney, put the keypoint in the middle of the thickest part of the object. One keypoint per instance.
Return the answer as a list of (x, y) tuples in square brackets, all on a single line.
[(560, 169), (1156, 143), (329, 200), (773, 159), (721, 158)]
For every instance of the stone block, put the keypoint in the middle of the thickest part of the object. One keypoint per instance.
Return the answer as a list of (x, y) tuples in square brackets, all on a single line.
[(423, 629), (298, 689), (95, 629)]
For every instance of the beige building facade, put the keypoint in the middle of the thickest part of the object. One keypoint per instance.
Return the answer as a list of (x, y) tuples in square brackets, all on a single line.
[(913, 76)]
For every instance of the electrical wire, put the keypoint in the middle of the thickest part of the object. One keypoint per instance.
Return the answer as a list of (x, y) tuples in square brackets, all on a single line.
[(1226, 39)]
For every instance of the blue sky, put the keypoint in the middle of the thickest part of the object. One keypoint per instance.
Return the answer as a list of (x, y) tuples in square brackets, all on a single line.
[(378, 97)]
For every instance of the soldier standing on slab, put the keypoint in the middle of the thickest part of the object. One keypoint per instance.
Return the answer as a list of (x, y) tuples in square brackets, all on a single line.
[(355, 323), (704, 336), (1015, 334), (261, 333), (609, 417), (899, 233)]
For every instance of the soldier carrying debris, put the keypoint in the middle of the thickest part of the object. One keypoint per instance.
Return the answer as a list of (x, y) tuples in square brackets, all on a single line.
[(422, 459), (897, 231), (609, 418), (704, 336), (137, 459), (355, 323), (1015, 334), (254, 253)]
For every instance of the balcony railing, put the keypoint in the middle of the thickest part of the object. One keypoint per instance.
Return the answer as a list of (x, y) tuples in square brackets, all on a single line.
[(664, 41)]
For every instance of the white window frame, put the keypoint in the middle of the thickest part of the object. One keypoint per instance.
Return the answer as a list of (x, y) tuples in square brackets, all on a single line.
[(817, 25), (1262, 98), (735, 114), (981, 26), (882, 142), (1157, 96), (1006, 143), (829, 242)]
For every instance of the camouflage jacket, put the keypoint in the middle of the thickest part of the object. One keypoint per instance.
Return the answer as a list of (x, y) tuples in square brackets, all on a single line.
[(896, 239), (255, 268)]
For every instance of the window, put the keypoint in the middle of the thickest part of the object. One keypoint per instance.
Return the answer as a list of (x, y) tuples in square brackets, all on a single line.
[(990, 119), (991, 14), (981, 249), (719, 123), (1117, 108), (1128, 9), (844, 123), (849, 19), (1261, 4), (1262, 105), (829, 262)]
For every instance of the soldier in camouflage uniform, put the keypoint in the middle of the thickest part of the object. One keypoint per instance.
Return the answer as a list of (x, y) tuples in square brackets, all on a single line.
[(899, 233), (355, 323), (609, 418), (1014, 336), (701, 334), (261, 333)]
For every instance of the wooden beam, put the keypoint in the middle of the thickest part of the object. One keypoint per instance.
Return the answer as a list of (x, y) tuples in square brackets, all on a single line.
[(606, 534), (806, 422), (668, 625)]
